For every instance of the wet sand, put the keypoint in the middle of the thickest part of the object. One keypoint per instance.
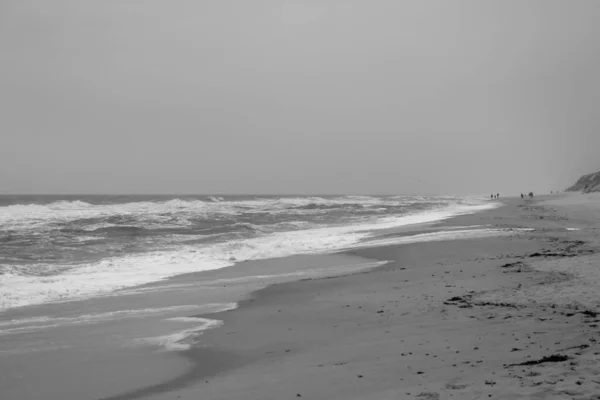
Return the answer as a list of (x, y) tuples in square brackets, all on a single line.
[(463, 319), (131, 339)]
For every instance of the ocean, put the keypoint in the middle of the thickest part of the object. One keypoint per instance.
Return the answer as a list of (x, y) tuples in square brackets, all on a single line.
[(58, 248)]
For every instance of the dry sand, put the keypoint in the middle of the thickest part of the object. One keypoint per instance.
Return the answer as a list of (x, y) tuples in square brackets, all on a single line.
[(505, 318)]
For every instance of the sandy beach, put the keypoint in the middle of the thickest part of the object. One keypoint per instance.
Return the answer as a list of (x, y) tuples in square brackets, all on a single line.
[(506, 318), (510, 315)]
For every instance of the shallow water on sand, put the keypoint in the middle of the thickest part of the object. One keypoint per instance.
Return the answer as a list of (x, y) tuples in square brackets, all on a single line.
[(114, 344)]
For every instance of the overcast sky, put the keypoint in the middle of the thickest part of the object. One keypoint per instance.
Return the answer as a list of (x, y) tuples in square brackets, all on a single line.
[(290, 96)]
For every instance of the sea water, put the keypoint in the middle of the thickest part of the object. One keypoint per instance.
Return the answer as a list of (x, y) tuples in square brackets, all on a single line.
[(57, 248)]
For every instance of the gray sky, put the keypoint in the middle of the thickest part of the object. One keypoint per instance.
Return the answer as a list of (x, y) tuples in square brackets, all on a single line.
[(289, 96)]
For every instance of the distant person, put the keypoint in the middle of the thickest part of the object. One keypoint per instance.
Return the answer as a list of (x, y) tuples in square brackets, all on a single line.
[(522, 196), (497, 195), (491, 196)]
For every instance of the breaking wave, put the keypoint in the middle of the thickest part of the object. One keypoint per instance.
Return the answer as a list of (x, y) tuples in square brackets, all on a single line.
[(63, 250)]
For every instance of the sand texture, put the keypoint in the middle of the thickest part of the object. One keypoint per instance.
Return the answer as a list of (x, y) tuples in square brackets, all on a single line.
[(512, 317)]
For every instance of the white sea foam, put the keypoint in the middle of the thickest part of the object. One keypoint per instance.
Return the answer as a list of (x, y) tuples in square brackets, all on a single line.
[(211, 308), (181, 340), (101, 277), (459, 227), (184, 319), (19, 217), (158, 288), (21, 325), (80, 281), (163, 213), (302, 273)]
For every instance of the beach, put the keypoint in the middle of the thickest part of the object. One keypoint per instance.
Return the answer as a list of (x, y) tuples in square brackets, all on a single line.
[(215, 200), (443, 320), (505, 315)]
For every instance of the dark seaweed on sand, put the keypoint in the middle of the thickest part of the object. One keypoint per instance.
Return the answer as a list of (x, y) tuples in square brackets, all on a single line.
[(547, 359)]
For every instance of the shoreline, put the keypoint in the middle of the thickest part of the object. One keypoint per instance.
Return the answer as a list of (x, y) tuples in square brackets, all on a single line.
[(211, 337), (344, 314), (194, 355), (11, 302), (265, 341), (130, 354)]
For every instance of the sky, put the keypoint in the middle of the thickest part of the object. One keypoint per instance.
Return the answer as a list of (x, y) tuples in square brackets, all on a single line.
[(298, 96)]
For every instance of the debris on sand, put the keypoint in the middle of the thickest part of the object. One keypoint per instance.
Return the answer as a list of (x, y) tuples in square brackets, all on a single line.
[(580, 347), (463, 302), (513, 264), (547, 359), (589, 313), (496, 304)]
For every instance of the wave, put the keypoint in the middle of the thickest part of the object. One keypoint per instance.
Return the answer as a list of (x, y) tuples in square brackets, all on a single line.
[(119, 229), (179, 212), (305, 273), (291, 225), (317, 206), (22, 325), (33, 324), (21, 288), (24, 285), (248, 227), (183, 340), (42, 217)]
